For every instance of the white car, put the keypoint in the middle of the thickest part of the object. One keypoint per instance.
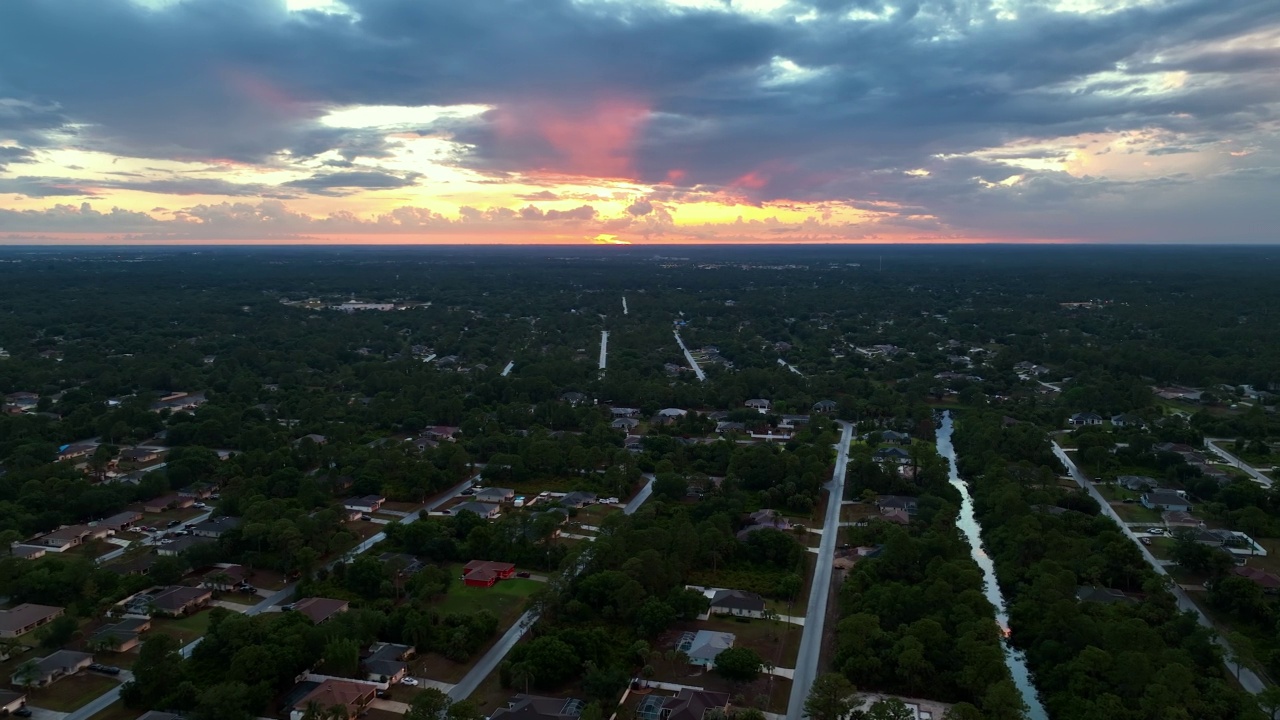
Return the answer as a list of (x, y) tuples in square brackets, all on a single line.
[(409, 681)]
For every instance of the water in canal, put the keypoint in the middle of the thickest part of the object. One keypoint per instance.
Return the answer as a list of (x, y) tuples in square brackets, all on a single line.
[(972, 531)]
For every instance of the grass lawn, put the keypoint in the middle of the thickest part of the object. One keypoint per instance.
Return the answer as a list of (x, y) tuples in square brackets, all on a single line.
[(1111, 491), (71, 692), (117, 711), (184, 629), (505, 599), (1136, 513), (595, 514)]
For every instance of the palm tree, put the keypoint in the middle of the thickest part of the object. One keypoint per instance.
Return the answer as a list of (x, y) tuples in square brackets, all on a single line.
[(522, 674), (106, 643), (27, 674)]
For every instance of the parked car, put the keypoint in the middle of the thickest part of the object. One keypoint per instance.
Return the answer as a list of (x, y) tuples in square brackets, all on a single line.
[(522, 574), (1156, 531), (181, 532), (22, 712), (105, 669), (411, 682), (1145, 540), (382, 694), (174, 523), (201, 506), (469, 491)]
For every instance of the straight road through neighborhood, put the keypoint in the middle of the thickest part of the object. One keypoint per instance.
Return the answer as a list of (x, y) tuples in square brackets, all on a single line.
[(816, 614), (1248, 680)]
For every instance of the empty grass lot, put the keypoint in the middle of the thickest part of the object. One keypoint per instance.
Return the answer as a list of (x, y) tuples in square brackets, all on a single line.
[(505, 599)]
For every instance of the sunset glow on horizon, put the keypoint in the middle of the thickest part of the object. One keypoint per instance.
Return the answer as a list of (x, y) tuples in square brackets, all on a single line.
[(596, 122)]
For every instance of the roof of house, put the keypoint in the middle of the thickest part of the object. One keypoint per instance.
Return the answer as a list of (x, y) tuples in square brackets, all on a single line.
[(320, 609), (693, 704), (1086, 416), (67, 533), (1179, 517), (707, 644), (25, 614), (177, 597), (1259, 576), (1165, 497), (120, 519), (577, 497), (737, 600), (481, 509), (351, 695), (494, 492), (60, 660), (158, 715), (1133, 481), (27, 551), (534, 707), (896, 515), (367, 501), (892, 452), (903, 502), (233, 573)]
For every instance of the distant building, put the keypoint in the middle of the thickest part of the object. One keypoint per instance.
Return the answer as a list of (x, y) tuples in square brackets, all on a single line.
[(352, 697), (738, 603), (51, 668), (1166, 500), (484, 573), (26, 617), (1085, 418), (704, 646), (320, 609), (536, 707)]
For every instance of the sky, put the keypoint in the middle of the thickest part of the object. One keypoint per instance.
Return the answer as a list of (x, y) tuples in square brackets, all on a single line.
[(639, 121)]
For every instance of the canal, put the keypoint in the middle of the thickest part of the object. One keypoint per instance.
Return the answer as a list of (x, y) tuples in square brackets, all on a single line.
[(973, 533)]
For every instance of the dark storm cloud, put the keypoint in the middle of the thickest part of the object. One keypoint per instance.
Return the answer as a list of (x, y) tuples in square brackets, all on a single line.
[(341, 183), (14, 155)]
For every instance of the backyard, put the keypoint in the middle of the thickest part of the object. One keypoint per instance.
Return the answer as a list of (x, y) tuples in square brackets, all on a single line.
[(185, 629)]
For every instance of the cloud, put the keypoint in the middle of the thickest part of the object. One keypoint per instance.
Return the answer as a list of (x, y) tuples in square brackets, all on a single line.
[(751, 106), (341, 183), (14, 155)]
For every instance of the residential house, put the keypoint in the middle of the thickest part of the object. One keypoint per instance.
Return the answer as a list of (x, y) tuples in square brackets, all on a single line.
[(366, 504), (179, 601), (1169, 447), (11, 702), (536, 707), (138, 455), (178, 402), (688, 704), (69, 536), (896, 516), (1127, 420), (494, 495), (626, 424), (405, 565), (907, 504), (27, 552), (484, 573), (895, 455), (225, 578), (624, 412), (51, 668), (1166, 500), (825, 406), (26, 617), (442, 433), (762, 520), (1137, 483), (22, 400), (578, 498), (386, 662), (119, 637), (159, 715), (167, 502), (315, 438), (485, 511), (728, 426), (1179, 519), (573, 398), (738, 603), (1269, 582), (120, 521), (75, 451), (1085, 418), (667, 416), (352, 697), (759, 405), (893, 436), (199, 491), (1105, 596), (793, 421), (702, 647), (214, 527), (320, 609), (181, 545)]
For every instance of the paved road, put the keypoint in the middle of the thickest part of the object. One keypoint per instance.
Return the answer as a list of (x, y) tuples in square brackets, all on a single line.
[(604, 348), (624, 304), (689, 356), (816, 613), (1248, 679), (489, 662), (102, 701), (1258, 477)]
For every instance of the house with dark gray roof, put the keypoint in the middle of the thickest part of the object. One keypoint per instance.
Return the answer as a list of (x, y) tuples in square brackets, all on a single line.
[(738, 603)]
